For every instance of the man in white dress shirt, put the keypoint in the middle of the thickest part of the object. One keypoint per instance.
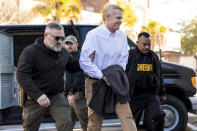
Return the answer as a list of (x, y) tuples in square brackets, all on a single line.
[(104, 46)]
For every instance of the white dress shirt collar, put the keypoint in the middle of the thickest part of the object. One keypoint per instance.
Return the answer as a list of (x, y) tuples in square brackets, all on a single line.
[(106, 31)]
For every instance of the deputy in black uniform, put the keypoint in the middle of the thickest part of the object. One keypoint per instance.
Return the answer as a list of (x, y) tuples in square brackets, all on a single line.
[(75, 87), (146, 83)]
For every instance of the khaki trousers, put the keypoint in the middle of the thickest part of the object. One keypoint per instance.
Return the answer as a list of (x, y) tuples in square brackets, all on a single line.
[(123, 112)]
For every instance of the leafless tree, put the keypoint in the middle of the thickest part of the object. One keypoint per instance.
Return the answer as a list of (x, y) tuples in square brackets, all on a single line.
[(10, 13)]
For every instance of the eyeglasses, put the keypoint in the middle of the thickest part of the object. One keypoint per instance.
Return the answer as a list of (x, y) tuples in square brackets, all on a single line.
[(57, 38)]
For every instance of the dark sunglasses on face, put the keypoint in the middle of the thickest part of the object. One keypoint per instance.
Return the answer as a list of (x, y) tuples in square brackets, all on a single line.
[(57, 38)]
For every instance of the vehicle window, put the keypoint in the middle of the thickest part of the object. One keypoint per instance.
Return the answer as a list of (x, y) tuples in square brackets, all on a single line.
[(131, 44)]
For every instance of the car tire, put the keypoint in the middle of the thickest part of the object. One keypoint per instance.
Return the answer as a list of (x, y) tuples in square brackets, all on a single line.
[(176, 114)]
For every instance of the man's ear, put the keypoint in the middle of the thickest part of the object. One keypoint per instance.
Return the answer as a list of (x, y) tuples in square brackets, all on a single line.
[(137, 42), (106, 17)]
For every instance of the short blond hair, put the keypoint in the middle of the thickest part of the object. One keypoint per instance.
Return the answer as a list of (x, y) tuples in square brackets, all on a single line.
[(108, 10)]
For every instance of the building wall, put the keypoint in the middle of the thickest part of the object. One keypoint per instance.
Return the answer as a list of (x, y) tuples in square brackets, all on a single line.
[(189, 61), (94, 5)]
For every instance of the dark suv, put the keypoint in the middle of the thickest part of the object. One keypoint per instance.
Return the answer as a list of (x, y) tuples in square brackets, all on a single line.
[(180, 81)]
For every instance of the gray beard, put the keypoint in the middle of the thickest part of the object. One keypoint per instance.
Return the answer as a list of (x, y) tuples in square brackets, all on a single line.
[(56, 49)]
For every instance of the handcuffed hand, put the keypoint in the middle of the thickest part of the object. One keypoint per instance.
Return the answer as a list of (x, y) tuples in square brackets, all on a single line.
[(71, 99), (44, 101)]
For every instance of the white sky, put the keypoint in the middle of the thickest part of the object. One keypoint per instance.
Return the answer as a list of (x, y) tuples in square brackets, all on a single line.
[(171, 12)]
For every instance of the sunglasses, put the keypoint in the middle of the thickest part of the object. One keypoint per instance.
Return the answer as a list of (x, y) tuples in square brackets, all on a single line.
[(57, 38)]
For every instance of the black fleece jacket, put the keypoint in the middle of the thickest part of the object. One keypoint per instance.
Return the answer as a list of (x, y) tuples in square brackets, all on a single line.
[(134, 55), (40, 70)]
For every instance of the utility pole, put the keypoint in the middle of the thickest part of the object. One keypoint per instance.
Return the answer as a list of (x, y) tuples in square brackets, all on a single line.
[(159, 42), (195, 56)]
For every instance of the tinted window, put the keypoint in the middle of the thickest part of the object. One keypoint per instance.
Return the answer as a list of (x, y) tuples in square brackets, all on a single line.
[(131, 44)]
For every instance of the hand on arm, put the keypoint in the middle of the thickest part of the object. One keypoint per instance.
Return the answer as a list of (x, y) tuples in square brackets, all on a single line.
[(87, 55)]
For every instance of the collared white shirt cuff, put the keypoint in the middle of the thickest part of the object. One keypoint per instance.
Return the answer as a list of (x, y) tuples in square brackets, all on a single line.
[(100, 75)]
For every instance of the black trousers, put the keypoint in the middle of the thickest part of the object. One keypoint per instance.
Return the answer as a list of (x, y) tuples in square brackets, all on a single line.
[(79, 110), (149, 103)]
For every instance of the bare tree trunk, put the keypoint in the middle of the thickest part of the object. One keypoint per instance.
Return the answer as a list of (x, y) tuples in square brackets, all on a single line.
[(18, 10)]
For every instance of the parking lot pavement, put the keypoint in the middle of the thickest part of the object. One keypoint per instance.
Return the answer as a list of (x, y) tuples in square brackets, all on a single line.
[(192, 122), (191, 126), (107, 125)]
